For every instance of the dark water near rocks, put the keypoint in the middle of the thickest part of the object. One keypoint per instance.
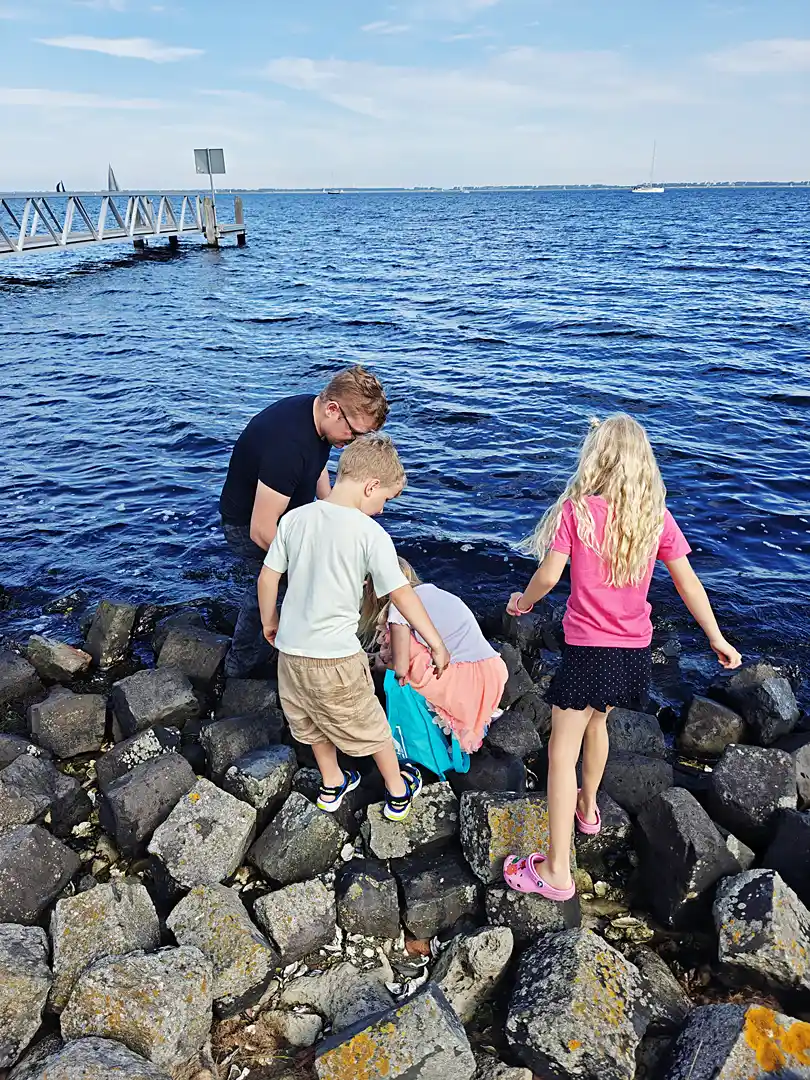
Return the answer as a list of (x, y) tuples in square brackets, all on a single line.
[(498, 323)]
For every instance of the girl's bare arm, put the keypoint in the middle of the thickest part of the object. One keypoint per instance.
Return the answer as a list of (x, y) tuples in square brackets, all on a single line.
[(401, 651), (691, 591), (543, 581), (411, 607)]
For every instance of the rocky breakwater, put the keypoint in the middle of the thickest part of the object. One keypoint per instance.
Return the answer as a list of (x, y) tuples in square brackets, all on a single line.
[(173, 904)]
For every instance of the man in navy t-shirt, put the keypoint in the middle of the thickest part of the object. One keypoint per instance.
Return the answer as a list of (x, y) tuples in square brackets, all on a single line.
[(278, 463)]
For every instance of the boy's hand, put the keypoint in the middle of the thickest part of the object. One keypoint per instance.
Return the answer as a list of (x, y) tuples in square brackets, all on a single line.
[(270, 628), (441, 658), (726, 653)]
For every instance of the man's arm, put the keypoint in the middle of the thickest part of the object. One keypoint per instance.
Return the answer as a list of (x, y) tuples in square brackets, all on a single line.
[(268, 506), (268, 602), (324, 488)]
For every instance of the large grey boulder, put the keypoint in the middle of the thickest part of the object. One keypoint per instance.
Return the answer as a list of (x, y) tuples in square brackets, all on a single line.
[(153, 696), (729, 1042), (764, 930), (682, 855), (709, 728), (600, 855), (590, 1015), (789, 852), (213, 919), (197, 653), (34, 869), (528, 916), (226, 741), (299, 843), (107, 920), (248, 697), (515, 731), (433, 821), (20, 807), (35, 776), (519, 681), (299, 918), (19, 682), (12, 746), (748, 788), (421, 1039), (137, 749), (633, 779), (55, 661), (437, 891), (159, 1005), (668, 1001), (763, 698), (89, 1059), (25, 980), (205, 837), (635, 732), (367, 899), (135, 804), (110, 632), (264, 779), (342, 994), (494, 825), (69, 724), (471, 967), (178, 620), (490, 1068)]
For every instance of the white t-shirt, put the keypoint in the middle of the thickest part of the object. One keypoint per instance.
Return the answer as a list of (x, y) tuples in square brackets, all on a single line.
[(327, 552), (454, 621)]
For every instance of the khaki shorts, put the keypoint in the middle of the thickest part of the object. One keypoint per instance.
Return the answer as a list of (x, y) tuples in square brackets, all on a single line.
[(333, 701)]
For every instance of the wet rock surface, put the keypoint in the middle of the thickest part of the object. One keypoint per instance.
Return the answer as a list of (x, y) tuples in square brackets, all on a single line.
[(68, 724), (151, 697), (110, 632), (135, 804), (709, 728), (34, 869), (749, 786), (632, 779), (54, 661), (367, 899)]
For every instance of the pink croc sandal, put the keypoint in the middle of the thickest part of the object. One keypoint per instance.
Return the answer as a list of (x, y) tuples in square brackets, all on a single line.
[(521, 875), (588, 828)]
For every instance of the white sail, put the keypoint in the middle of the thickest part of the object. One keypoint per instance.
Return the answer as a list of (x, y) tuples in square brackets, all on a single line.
[(650, 187)]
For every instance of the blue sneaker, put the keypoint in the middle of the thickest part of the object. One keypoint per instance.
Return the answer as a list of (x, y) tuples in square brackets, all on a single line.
[(331, 798), (398, 807)]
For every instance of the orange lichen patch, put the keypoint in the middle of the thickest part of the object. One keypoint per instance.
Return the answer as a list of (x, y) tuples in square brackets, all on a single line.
[(194, 797), (774, 1044), (361, 1058), (574, 1044)]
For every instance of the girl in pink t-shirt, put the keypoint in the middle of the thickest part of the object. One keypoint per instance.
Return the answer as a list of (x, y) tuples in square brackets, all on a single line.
[(612, 523)]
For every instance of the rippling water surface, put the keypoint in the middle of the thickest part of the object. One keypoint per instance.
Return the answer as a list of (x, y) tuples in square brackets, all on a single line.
[(498, 322)]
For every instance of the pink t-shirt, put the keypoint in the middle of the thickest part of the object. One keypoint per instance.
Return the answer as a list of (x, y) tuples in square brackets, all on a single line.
[(599, 614)]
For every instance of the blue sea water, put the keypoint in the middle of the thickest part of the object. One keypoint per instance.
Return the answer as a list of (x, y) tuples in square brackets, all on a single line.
[(499, 322)]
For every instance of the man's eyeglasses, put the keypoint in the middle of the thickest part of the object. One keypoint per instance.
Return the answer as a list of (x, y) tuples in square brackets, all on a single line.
[(355, 433)]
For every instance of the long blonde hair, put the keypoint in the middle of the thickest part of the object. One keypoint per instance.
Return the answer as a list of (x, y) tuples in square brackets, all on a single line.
[(618, 463), (374, 610)]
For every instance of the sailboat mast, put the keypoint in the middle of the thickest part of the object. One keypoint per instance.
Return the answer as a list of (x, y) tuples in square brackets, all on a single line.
[(652, 166)]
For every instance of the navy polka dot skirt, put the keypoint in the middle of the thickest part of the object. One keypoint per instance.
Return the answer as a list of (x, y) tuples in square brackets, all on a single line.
[(599, 677)]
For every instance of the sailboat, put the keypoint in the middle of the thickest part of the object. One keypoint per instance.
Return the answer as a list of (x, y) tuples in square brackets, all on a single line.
[(650, 187)]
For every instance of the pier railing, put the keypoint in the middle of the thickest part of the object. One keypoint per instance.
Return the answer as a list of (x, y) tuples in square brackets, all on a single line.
[(42, 221)]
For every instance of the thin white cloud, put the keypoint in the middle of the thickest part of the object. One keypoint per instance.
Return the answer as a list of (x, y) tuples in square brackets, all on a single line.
[(67, 99), (772, 56), (476, 34), (510, 86), (131, 48), (385, 28)]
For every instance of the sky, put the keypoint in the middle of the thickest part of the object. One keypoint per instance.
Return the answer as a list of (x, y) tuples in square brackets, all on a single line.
[(316, 93)]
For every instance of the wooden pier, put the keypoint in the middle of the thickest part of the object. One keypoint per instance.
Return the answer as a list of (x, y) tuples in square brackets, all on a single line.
[(37, 222)]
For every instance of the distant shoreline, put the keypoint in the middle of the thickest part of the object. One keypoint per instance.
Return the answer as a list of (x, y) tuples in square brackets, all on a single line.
[(473, 189)]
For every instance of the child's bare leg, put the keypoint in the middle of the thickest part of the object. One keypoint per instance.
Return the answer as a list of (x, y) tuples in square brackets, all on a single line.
[(388, 764), (326, 757), (567, 729), (595, 747)]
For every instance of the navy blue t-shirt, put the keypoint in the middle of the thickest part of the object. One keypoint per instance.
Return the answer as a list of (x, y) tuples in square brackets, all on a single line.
[(282, 448)]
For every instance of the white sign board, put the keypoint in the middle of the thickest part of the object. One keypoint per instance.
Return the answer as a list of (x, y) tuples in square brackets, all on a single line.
[(209, 162)]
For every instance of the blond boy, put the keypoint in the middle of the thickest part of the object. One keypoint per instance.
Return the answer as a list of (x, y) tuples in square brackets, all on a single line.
[(328, 549)]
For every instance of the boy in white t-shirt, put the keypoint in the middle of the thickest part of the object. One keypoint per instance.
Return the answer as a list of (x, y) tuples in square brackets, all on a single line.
[(328, 549)]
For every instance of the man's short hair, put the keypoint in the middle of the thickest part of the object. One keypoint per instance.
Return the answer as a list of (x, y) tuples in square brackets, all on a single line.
[(372, 457), (360, 392)]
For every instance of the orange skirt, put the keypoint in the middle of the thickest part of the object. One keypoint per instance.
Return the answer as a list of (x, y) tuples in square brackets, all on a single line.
[(464, 698)]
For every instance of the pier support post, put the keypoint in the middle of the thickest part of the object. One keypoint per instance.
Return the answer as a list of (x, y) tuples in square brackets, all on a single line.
[(139, 245), (210, 222), (174, 243), (239, 218)]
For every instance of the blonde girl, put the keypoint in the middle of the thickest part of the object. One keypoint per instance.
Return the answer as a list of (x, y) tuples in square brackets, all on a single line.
[(612, 523), (465, 697)]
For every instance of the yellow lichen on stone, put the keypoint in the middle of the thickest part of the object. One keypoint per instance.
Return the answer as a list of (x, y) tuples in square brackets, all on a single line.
[(774, 1044)]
